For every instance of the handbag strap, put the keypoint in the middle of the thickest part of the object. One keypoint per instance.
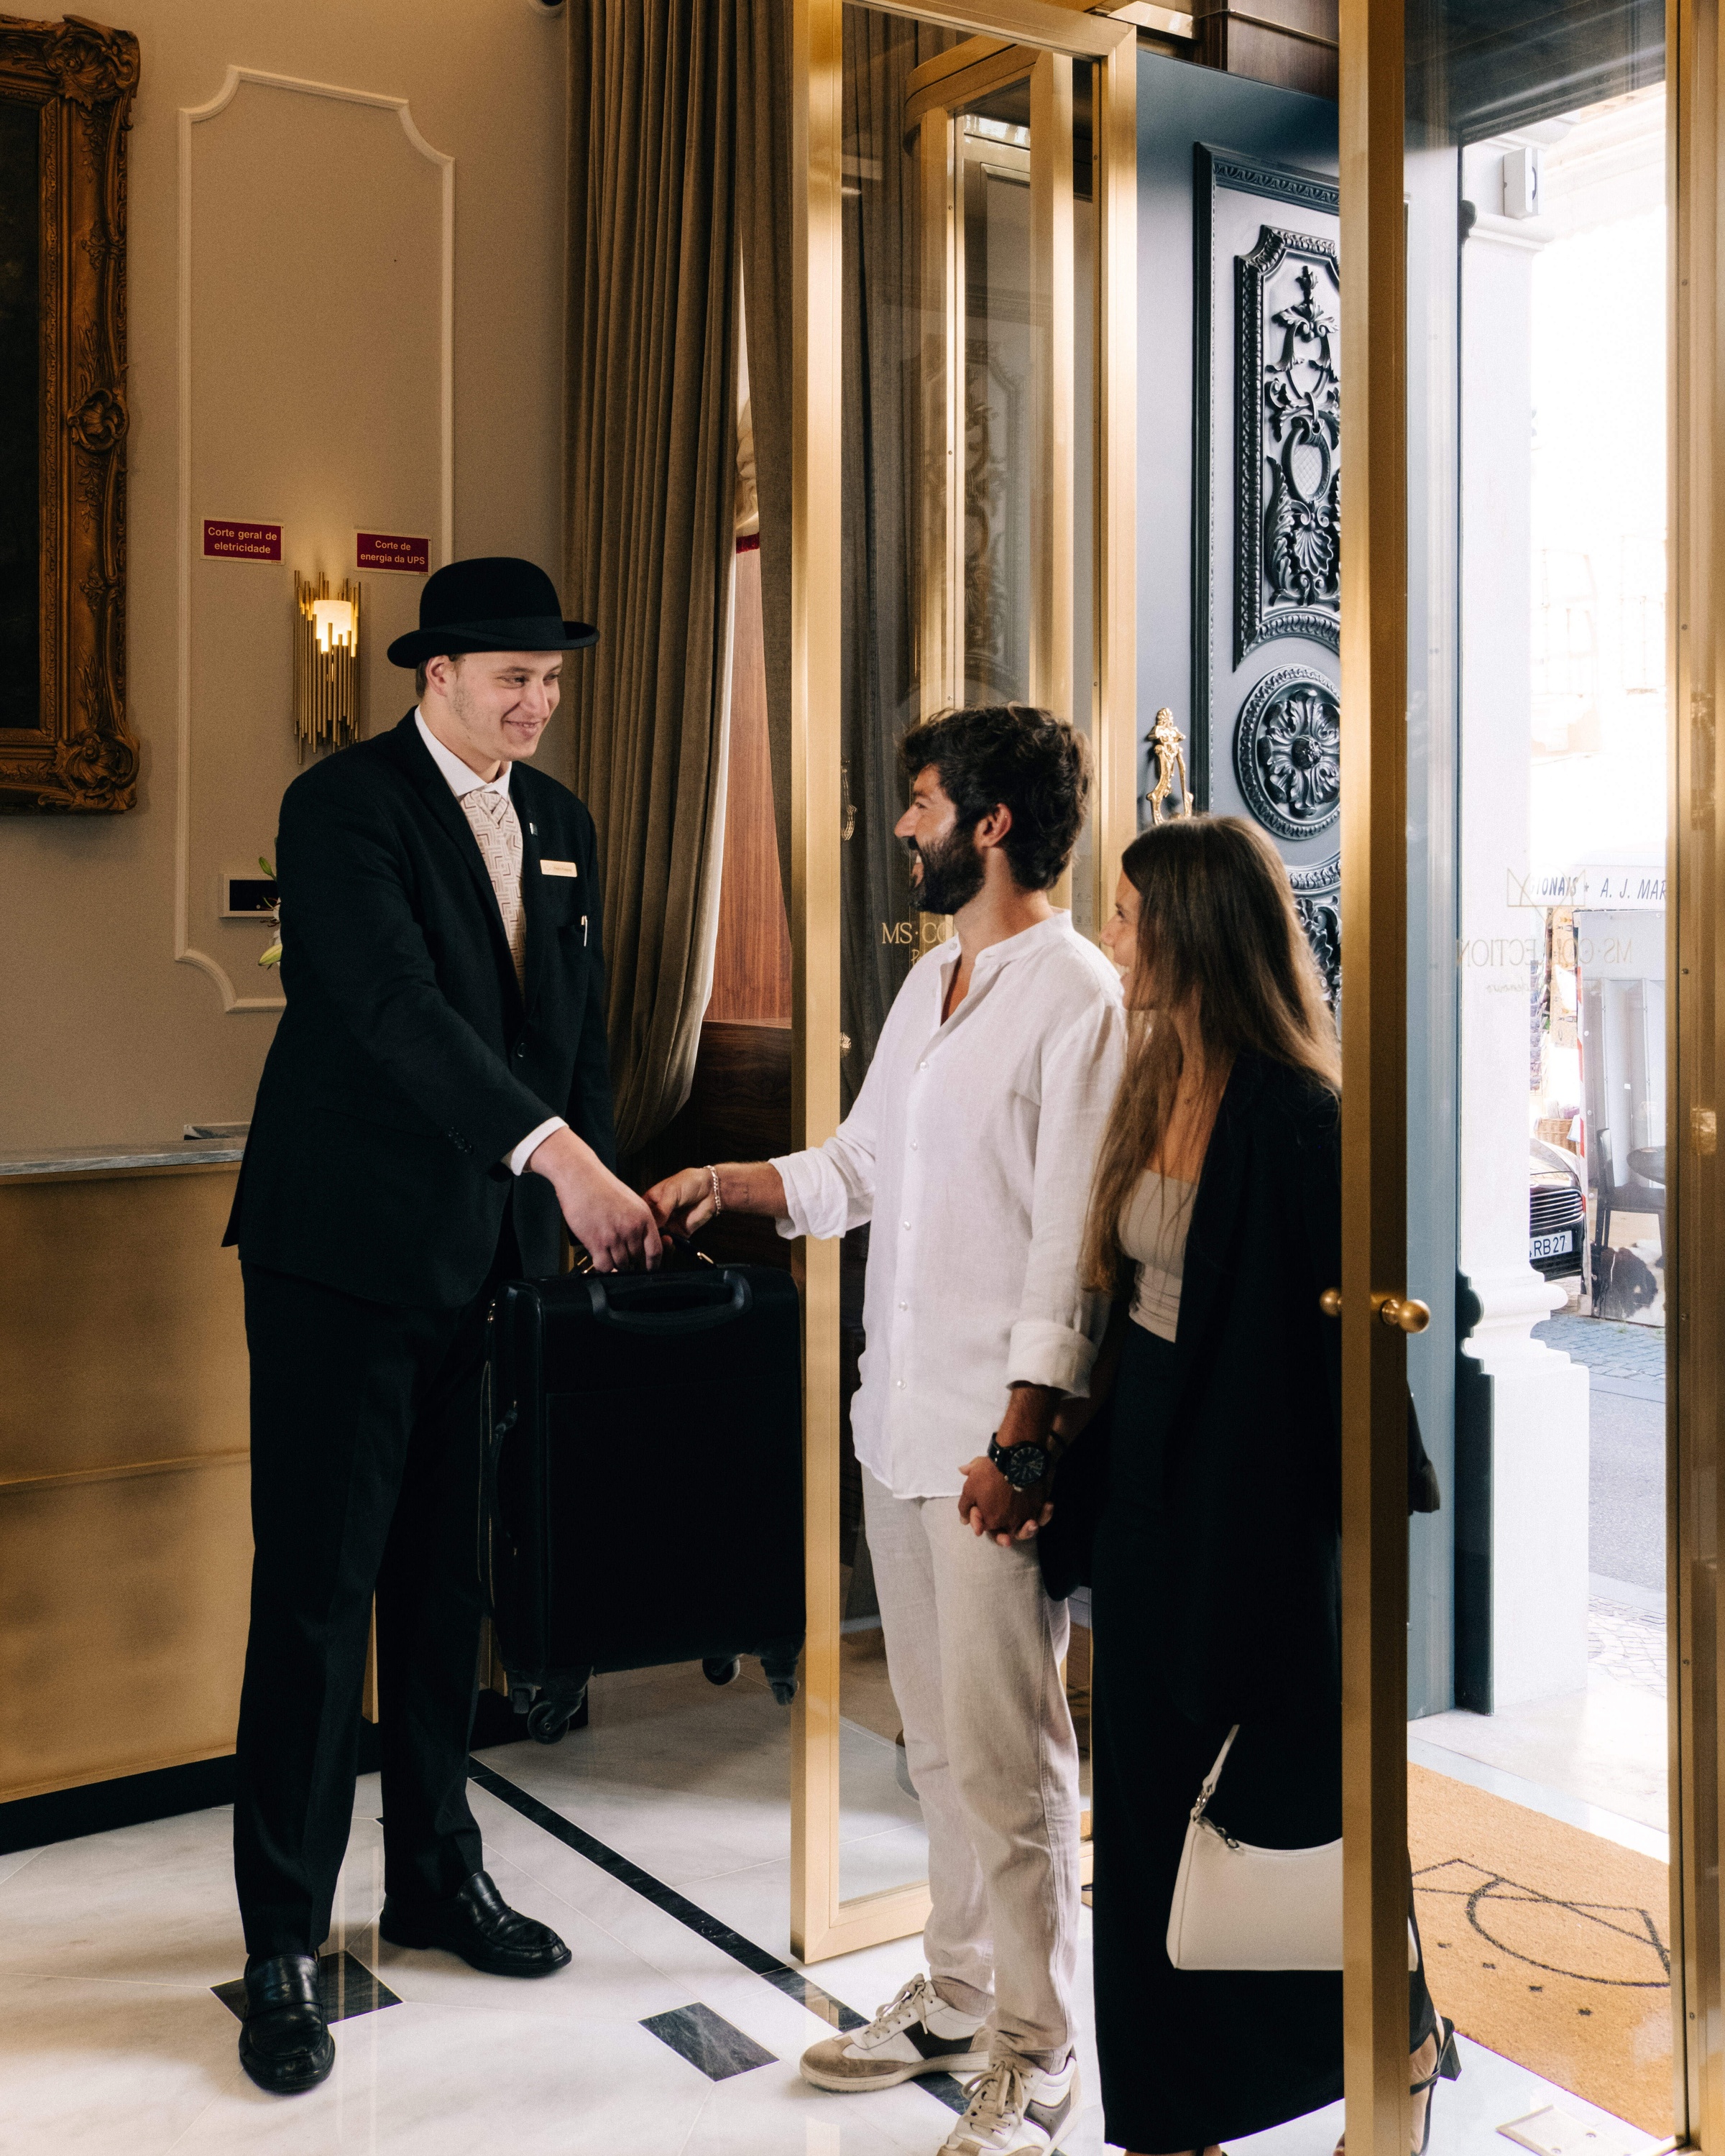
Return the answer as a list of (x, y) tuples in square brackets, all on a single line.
[(1208, 1788)]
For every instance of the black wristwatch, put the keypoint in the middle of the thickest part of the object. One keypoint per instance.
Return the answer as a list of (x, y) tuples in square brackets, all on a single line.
[(1024, 1465)]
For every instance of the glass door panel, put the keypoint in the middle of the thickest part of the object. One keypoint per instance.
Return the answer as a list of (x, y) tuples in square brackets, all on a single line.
[(958, 586), (1537, 1802)]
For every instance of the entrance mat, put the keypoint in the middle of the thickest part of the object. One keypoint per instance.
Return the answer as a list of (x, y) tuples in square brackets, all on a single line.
[(1546, 1944)]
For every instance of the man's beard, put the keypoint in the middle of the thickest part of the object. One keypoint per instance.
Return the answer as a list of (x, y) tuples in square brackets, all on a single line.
[(952, 873)]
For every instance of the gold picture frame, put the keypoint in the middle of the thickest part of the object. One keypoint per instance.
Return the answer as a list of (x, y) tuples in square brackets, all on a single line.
[(71, 83)]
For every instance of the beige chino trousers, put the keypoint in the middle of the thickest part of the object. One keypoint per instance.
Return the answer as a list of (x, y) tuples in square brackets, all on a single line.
[(973, 1649)]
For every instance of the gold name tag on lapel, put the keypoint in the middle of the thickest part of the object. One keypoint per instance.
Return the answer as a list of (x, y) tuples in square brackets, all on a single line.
[(558, 868)]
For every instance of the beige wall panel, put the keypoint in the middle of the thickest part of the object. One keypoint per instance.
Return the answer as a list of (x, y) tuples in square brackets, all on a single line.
[(124, 1339), (122, 1624), (306, 213), (105, 1040)]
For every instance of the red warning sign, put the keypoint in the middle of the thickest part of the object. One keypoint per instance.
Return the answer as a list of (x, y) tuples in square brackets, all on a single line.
[(225, 539), (389, 550)]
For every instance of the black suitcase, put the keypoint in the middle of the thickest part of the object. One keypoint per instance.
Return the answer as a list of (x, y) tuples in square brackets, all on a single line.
[(642, 1501)]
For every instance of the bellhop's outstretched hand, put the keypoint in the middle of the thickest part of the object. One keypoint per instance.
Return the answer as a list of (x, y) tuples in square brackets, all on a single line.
[(614, 1226)]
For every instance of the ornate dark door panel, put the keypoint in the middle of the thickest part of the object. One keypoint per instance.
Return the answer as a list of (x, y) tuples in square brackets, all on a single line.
[(1239, 576)]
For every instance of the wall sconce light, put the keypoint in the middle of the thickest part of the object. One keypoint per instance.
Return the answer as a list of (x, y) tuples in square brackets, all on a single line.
[(325, 664)]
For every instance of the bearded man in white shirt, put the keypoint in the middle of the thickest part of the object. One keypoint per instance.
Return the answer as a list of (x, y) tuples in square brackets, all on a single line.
[(970, 1147)]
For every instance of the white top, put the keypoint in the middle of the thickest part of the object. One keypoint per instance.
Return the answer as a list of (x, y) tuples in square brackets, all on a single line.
[(1153, 1224), (971, 1147), (463, 779)]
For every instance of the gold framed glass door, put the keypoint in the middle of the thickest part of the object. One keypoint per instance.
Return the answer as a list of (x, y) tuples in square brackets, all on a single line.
[(1496, 180), (955, 540)]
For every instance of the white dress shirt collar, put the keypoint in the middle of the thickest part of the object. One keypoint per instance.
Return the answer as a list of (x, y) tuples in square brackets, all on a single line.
[(461, 776), (1027, 941)]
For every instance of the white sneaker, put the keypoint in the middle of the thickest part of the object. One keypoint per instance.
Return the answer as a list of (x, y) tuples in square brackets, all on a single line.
[(916, 2033), (1015, 2110)]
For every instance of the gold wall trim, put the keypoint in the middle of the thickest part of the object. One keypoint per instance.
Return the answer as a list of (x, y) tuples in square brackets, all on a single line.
[(1374, 697), (1695, 1237), (13, 1484)]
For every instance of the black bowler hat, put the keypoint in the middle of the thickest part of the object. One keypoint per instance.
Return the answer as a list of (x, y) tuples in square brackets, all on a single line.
[(493, 602)]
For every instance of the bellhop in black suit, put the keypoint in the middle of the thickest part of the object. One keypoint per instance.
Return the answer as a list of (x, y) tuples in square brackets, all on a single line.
[(376, 1212)]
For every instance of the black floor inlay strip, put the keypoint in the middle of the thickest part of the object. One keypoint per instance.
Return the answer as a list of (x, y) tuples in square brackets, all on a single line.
[(945, 2087), (708, 2041), (345, 1987)]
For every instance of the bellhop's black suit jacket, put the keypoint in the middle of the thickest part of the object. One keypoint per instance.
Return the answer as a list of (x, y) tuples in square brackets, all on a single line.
[(408, 1063)]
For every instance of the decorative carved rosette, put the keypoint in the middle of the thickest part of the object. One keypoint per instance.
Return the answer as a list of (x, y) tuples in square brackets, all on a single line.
[(1287, 753)]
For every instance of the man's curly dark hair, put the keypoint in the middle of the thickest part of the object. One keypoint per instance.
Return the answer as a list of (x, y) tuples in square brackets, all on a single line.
[(1015, 754)]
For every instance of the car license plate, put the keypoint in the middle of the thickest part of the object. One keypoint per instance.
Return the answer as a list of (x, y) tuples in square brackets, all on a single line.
[(1551, 1246)]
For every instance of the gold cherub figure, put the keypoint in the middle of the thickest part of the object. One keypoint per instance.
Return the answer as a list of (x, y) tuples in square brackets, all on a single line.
[(1169, 745)]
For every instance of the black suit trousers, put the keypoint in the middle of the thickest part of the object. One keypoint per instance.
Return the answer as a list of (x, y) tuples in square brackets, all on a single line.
[(365, 1480)]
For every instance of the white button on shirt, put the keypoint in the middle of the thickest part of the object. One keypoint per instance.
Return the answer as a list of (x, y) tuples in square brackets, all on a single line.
[(462, 779), (979, 1289)]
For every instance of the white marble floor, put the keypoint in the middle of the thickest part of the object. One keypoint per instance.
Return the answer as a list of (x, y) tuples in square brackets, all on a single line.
[(112, 2039)]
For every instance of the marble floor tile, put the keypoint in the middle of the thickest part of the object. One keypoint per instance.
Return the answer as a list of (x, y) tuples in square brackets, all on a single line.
[(429, 2081), (711, 2044), (94, 2068), (604, 1975), (147, 1904), (13, 1861)]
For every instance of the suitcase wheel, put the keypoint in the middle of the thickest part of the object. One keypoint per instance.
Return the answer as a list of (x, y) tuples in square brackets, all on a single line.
[(548, 1719), (721, 1669)]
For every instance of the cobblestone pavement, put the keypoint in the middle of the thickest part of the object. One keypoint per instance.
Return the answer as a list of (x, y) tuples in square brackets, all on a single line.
[(1614, 1350), (1629, 1645)]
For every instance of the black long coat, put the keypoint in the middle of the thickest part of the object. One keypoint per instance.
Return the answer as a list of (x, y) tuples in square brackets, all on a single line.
[(1250, 1563), (408, 1063)]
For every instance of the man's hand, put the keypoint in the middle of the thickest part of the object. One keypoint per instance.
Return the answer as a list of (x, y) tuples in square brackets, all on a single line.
[(612, 1225), (683, 1202), (990, 1505)]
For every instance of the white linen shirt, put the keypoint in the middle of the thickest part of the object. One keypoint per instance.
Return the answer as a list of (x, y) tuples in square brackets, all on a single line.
[(970, 1147), (461, 780)]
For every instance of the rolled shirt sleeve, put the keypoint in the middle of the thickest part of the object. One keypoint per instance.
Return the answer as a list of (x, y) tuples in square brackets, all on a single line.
[(830, 1188), (1055, 1333)]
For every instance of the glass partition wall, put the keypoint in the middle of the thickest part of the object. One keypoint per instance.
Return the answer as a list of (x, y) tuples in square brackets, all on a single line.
[(967, 249)]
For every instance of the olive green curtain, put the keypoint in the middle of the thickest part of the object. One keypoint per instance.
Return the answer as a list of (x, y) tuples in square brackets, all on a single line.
[(651, 454), (764, 224)]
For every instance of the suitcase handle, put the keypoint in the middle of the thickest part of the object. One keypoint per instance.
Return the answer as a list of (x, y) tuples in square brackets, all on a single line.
[(684, 1303)]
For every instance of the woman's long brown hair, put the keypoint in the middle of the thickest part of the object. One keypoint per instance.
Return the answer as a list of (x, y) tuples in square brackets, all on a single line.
[(1216, 920)]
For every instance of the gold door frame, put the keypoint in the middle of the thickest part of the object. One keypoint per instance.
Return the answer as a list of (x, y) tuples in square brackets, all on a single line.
[(822, 1924), (1695, 1236), (1374, 1090)]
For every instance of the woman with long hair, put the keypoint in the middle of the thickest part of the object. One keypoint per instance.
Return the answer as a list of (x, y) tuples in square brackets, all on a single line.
[(1215, 1224)]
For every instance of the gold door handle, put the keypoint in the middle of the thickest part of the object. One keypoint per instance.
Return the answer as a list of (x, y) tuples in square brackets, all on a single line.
[(1406, 1312)]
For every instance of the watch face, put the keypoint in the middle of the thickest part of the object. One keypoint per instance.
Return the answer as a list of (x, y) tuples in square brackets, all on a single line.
[(1024, 1465)]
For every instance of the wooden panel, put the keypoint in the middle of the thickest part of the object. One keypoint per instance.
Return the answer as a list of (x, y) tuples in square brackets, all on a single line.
[(739, 1109), (122, 1624), (751, 964), (1289, 42), (124, 1336)]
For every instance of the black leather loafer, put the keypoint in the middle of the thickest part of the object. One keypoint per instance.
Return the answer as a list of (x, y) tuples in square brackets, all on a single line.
[(477, 1923), (285, 2044)]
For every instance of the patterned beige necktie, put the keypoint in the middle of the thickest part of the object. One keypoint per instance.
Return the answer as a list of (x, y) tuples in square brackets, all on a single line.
[(498, 829)]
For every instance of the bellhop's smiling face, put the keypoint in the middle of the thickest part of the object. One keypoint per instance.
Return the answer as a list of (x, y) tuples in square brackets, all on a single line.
[(490, 707)]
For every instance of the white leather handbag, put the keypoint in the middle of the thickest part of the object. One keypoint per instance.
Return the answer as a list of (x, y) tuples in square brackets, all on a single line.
[(1239, 1907)]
